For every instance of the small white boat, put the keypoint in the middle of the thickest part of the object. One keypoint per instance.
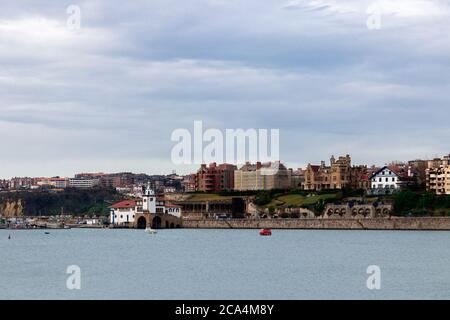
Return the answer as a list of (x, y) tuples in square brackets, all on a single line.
[(150, 231)]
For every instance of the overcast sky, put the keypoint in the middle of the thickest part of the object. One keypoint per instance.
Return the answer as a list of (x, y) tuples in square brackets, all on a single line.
[(108, 96)]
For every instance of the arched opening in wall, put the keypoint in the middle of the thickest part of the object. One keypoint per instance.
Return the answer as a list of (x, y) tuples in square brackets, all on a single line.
[(156, 223), (178, 226), (167, 224), (142, 223), (172, 226)]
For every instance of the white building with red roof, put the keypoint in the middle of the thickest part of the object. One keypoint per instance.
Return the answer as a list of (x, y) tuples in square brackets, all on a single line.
[(389, 179), (123, 213)]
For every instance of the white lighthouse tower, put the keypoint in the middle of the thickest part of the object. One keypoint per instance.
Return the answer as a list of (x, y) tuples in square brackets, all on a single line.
[(148, 199)]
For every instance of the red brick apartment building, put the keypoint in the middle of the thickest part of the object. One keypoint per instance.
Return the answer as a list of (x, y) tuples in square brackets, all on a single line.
[(215, 178)]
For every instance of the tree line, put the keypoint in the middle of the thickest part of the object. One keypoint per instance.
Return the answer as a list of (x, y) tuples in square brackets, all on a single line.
[(69, 201)]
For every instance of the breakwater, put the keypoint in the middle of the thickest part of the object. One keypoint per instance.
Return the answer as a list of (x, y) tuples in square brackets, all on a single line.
[(391, 223)]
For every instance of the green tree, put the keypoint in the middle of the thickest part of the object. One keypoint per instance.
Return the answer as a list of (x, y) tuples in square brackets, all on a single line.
[(405, 201), (319, 207), (263, 198)]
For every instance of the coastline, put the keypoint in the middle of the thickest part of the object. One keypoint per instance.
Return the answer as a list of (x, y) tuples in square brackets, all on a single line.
[(391, 223)]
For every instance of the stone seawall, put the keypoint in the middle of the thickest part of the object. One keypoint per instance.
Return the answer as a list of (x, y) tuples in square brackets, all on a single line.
[(392, 223)]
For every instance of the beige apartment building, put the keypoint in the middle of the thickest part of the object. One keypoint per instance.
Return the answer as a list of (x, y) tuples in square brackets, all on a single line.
[(262, 177), (438, 176), (338, 175)]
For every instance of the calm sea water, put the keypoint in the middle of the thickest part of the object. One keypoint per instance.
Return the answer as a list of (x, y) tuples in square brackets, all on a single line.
[(224, 264)]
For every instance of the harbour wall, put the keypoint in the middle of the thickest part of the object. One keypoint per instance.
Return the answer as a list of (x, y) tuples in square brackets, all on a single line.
[(391, 223)]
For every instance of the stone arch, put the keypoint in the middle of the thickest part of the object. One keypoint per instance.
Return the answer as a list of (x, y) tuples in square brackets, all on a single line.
[(156, 222), (172, 226), (141, 223)]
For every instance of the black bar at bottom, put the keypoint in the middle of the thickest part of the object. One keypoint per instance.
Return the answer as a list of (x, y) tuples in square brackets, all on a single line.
[(216, 309)]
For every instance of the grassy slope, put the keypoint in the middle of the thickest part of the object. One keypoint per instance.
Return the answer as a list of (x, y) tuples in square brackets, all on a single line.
[(297, 200)]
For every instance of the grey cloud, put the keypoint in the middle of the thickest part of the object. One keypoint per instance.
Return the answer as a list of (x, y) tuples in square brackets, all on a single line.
[(112, 93)]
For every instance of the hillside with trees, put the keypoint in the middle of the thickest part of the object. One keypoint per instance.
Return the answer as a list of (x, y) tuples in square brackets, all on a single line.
[(69, 201)]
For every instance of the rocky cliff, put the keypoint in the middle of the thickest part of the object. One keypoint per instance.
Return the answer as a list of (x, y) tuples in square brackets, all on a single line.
[(11, 209)]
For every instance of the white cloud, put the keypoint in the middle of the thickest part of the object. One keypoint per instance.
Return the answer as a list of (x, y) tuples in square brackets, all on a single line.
[(403, 8)]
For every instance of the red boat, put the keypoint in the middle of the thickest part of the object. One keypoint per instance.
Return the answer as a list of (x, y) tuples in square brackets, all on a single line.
[(265, 232)]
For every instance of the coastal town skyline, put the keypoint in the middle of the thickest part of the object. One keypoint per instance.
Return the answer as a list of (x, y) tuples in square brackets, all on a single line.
[(189, 169), (219, 158)]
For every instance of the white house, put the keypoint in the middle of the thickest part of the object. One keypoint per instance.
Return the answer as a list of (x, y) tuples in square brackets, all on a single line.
[(124, 212), (387, 180)]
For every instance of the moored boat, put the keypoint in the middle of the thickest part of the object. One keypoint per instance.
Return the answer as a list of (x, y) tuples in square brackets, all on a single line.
[(265, 232)]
